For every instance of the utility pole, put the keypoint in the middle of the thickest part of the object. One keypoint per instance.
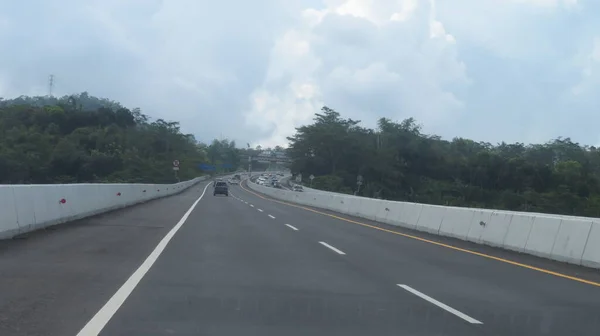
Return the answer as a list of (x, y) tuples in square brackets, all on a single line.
[(249, 161), (249, 166), (359, 182), (50, 84)]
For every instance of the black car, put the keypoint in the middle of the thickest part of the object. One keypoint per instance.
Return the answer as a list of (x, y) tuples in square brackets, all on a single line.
[(221, 187)]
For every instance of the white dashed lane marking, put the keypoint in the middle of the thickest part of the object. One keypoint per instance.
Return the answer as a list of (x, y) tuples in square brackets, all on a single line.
[(332, 248), (441, 305)]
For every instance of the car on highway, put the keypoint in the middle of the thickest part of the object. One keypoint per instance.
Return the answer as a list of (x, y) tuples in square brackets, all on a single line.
[(221, 188), (234, 181), (298, 188)]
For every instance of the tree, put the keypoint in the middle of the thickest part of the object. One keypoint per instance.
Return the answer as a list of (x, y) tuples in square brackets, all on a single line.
[(81, 138), (399, 162)]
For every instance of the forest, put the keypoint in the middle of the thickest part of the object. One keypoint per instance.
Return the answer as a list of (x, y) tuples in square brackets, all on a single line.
[(396, 161), (80, 138)]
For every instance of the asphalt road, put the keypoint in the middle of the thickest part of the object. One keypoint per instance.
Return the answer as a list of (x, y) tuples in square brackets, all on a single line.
[(247, 265)]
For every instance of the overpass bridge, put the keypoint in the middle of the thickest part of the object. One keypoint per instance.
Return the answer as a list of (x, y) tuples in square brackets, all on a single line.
[(269, 157)]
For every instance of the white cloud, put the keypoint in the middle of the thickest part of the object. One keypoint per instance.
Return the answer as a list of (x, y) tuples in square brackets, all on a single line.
[(288, 97), (549, 3), (254, 70), (407, 9), (364, 61), (589, 63)]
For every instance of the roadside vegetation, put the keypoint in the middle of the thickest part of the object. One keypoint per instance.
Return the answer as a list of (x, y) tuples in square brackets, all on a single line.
[(398, 162), (81, 138)]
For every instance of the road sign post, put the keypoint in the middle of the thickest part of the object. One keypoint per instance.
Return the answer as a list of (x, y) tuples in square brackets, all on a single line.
[(311, 177), (176, 169), (359, 182)]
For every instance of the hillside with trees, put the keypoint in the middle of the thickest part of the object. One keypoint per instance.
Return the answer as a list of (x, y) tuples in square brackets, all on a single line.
[(80, 138), (398, 162)]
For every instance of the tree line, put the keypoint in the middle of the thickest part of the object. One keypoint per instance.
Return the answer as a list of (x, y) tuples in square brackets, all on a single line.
[(397, 161), (80, 138)]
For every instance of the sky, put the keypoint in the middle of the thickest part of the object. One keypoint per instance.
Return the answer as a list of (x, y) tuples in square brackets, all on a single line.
[(251, 71)]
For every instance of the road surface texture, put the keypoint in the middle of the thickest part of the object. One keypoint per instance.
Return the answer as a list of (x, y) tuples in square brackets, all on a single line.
[(249, 265)]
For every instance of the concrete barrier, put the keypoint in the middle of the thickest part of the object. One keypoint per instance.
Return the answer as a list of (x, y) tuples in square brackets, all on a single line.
[(568, 239), (24, 208)]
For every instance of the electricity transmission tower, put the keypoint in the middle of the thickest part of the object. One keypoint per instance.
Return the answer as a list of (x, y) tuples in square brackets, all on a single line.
[(50, 85)]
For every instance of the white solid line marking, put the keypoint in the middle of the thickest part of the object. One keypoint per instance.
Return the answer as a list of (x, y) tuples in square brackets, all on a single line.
[(441, 305), (291, 227), (97, 323), (331, 247), (259, 210), (272, 216), (252, 205)]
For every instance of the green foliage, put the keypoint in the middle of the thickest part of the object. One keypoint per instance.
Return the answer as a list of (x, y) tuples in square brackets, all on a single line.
[(80, 138), (331, 183), (223, 151), (399, 162)]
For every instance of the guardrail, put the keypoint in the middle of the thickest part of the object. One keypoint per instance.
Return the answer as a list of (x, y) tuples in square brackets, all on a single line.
[(24, 208), (574, 240)]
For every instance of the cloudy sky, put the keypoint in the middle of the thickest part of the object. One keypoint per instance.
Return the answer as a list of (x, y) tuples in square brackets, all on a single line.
[(490, 70)]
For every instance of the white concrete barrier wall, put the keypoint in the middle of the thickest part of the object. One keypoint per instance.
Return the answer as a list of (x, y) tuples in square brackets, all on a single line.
[(25, 208), (568, 239)]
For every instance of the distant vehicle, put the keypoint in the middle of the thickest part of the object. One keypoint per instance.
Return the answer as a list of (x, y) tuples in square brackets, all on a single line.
[(221, 188), (298, 188), (233, 181), (277, 185), (237, 177)]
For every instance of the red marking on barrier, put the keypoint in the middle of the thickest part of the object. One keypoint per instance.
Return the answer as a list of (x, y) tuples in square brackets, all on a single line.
[(118, 194), (62, 201)]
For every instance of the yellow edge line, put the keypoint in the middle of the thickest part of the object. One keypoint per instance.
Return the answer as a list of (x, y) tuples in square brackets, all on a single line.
[(561, 275)]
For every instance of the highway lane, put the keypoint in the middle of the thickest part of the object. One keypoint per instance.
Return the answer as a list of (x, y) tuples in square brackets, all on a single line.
[(53, 281), (235, 270), (231, 269), (508, 299)]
